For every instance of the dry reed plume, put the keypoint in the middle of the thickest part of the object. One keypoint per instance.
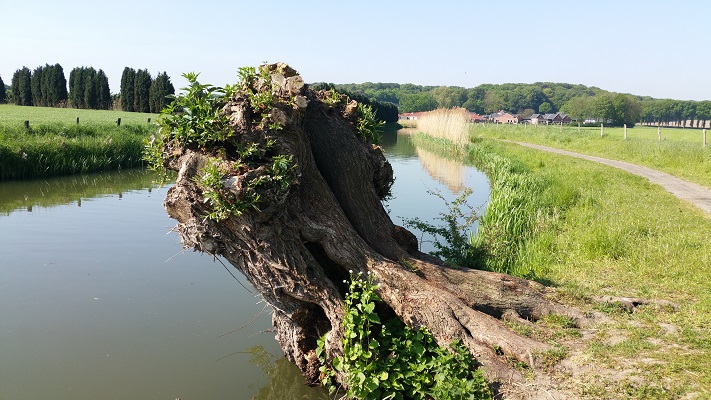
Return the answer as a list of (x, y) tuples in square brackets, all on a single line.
[(448, 172), (451, 124)]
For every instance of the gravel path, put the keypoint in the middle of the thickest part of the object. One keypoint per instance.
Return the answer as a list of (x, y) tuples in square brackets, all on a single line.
[(693, 193)]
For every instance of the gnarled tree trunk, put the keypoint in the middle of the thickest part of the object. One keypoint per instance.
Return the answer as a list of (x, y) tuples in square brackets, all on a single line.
[(298, 247)]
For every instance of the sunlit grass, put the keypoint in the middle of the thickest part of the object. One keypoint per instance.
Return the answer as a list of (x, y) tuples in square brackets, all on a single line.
[(590, 229), (601, 231), (680, 152), (12, 116), (51, 148)]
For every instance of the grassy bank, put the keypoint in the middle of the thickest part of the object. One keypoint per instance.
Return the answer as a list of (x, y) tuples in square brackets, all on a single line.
[(12, 115), (592, 230), (679, 153), (55, 144)]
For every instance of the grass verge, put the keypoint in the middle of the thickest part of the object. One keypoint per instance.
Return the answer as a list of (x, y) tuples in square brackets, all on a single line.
[(594, 230), (679, 153), (50, 147), (591, 230)]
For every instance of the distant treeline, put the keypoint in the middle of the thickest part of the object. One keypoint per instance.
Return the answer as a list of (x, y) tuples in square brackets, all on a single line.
[(384, 110), (579, 101), (141, 93), (88, 88), (46, 86)]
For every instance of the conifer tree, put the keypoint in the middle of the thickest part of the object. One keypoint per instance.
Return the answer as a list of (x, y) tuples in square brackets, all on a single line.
[(90, 99), (141, 91), (3, 92), (103, 94), (36, 86), (22, 87), (127, 79), (160, 88), (54, 85), (77, 84)]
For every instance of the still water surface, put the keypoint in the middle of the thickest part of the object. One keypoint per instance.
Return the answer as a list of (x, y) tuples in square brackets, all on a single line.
[(99, 301)]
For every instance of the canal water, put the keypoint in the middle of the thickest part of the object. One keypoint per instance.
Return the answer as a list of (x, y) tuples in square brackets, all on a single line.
[(99, 301)]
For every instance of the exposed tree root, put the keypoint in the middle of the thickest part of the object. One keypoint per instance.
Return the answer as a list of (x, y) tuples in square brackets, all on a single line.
[(300, 245)]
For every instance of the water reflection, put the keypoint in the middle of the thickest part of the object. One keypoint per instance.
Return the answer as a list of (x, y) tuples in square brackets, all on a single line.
[(25, 195), (450, 172), (286, 382), (419, 171), (99, 302), (446, 171)]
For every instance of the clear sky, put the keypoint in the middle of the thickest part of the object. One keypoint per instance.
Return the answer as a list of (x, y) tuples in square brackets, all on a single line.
[(644, 47)]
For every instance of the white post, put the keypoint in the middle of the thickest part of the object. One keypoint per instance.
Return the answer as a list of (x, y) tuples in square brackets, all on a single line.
[(625, 131), (602, 129), (705, 138), (659, 133)]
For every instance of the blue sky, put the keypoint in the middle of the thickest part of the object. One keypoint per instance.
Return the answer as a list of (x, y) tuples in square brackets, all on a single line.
[(654, 48)]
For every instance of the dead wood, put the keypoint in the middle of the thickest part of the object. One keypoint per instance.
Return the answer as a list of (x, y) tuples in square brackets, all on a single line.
[(298, 246)]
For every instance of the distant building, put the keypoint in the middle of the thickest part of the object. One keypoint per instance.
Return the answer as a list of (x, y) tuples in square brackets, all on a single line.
[(557, 119), (503, 117), (474, 117), (412, 116), (537, 119)]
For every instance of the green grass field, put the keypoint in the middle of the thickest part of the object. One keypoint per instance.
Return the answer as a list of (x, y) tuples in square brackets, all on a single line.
[(596, 231), (55, 144), (592, 230), (679, 153), (12, 115)]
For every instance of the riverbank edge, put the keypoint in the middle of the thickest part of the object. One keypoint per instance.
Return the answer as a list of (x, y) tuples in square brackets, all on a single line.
[(538, 201), (53, 149)]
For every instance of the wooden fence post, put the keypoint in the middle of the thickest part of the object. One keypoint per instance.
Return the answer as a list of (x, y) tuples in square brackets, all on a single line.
[(602, 129), (659, 133), (118, 122), (625, 131), (705, 138), (77, 120)]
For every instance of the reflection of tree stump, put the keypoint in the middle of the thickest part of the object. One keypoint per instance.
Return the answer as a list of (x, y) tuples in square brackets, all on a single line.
[(298, 247)]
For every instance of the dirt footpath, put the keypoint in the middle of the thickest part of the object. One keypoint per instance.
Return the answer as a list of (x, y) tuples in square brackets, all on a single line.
[(693, 193)]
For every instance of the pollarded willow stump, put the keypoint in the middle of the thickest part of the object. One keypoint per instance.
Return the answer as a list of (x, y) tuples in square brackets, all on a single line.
[(301, 239)]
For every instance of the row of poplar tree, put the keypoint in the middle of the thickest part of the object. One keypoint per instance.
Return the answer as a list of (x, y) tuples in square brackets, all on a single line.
[(46, 86)]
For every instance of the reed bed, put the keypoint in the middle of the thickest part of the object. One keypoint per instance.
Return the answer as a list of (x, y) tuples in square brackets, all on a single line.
[(451, 124)]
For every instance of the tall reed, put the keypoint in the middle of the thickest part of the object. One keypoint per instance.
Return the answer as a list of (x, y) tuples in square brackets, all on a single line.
[(515, 206), (451, 124)]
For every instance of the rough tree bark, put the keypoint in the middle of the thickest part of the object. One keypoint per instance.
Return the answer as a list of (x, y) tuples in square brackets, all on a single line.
[(297, 248)]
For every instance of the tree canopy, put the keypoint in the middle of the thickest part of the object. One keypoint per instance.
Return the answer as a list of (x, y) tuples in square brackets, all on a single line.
[(127, 78), (159, 92), (22, 87), (89, 88), (579, 101), (141, 91), (3, 92)]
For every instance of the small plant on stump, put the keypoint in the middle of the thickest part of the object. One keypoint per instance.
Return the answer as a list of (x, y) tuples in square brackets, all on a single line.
[(394, 361)]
